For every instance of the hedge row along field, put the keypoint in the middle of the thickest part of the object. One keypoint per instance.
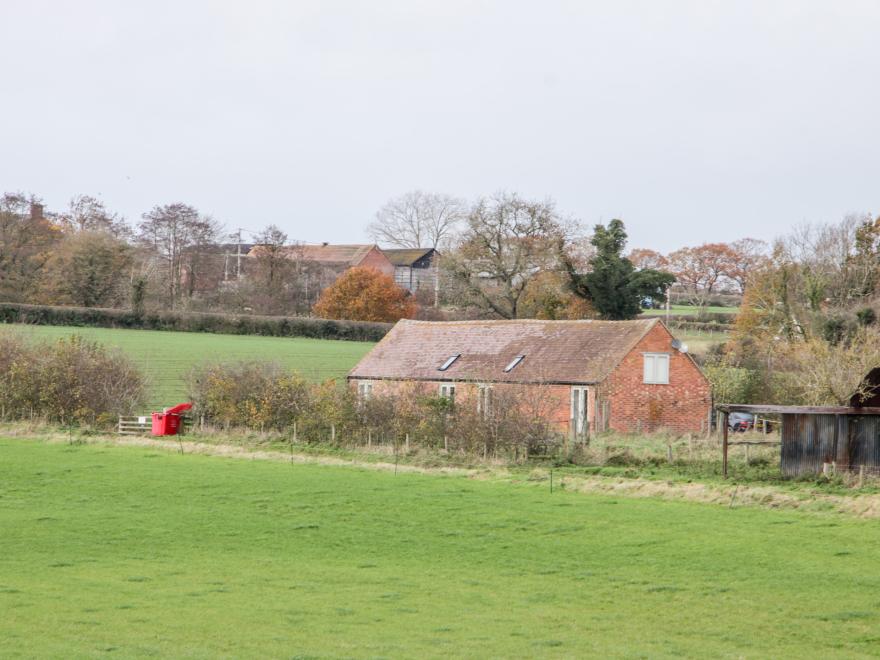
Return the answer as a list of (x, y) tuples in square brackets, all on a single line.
[(232, 324), (166, 358)]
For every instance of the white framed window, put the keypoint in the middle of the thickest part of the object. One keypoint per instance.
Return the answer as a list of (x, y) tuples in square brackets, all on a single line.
[(447, 390), (656, 368), (365, 390), (579, 409), (484, 400)]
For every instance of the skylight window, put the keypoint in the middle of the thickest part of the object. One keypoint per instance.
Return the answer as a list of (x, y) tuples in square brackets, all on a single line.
[(515, 361), (448, 363)]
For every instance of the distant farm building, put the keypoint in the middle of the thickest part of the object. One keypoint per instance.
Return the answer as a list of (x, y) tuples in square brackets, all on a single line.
[(414, 268), (593, 375)]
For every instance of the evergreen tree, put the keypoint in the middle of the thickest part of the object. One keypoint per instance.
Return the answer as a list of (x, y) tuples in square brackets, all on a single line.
[(613, 286)]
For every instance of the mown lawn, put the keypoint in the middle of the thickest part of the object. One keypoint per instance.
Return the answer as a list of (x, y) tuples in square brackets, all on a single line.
[(166, 357), (137, 552)]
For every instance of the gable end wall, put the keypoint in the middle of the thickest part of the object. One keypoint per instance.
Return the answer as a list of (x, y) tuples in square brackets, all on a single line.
[(682, 406), (377, 260)]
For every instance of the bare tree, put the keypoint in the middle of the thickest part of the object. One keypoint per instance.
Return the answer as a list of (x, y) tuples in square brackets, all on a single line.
[(508, 242), (418, 219), (747, 255), (178, 234), (86, 213)]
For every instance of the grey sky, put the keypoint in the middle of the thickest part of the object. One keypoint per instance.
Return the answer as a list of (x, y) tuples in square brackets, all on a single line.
[(692, 121)]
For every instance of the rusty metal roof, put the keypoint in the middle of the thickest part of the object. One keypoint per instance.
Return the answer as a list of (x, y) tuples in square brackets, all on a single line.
[(770, 409), (406, 256), (571, 352)]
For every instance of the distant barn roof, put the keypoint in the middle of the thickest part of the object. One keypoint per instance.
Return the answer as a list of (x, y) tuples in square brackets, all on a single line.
[(554, 351), (341, 255), (406, 256)]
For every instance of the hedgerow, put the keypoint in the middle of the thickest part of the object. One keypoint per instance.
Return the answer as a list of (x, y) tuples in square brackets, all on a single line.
[(233, 324), (264, 397)]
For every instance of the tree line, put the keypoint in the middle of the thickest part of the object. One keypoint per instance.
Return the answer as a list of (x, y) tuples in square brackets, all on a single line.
[(501, 256)]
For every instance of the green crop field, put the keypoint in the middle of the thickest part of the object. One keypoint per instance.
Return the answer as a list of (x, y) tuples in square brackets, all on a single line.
[(166, 357), (143, 552), (689, 310)]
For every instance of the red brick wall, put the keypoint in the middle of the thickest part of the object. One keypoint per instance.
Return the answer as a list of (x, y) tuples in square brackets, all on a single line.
[(682, 406), (375, 258), (553, 400)]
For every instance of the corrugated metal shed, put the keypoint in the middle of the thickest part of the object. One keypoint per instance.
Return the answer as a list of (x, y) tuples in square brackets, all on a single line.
[(812, 436)]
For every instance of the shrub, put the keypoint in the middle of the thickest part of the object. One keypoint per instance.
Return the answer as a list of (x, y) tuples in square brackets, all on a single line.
[(262, 396), (253, 394), (364, 294), (72, 381)]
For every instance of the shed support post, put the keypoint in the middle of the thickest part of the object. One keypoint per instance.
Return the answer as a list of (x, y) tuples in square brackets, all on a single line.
[(724, 444)]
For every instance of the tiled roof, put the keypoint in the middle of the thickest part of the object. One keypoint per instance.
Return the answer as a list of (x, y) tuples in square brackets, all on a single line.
[(342, 255), (405, 256), (555, 351)]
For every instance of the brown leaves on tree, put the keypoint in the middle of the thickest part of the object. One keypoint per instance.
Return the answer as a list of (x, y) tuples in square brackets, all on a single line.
[(365, 294)]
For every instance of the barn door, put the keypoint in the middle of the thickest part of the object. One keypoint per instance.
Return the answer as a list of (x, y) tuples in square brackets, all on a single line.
[(578, 411)]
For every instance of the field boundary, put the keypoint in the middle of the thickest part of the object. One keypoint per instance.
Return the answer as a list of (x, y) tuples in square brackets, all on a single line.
[(731, 496), (210, 322)]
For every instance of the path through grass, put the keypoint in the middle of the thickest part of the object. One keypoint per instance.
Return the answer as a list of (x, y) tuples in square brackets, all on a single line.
[(139, 552)]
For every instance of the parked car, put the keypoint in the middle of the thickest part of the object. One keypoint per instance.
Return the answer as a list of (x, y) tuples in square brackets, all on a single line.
[(740, 422)]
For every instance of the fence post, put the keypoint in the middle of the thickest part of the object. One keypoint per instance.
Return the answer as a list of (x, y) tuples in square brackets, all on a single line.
[(407, 443), (333, 433), (861, 475), (724, 445), (369, 437), (669, 453), (294, 432), (446, 444)]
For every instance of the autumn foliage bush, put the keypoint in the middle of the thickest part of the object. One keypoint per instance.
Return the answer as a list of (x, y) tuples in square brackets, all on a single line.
[(71, 381), (365, 294)]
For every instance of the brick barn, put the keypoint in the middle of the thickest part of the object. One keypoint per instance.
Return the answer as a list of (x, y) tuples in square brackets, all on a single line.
[(627, 376)]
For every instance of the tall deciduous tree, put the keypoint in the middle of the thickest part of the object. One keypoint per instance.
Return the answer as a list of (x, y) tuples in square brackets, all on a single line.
[(364, 294), (701, 270), (507, 243), (643, 258), (179, 234), (747, 256), (418, 219), (613, 286), (87, 213), (90, 269), (26, 240)]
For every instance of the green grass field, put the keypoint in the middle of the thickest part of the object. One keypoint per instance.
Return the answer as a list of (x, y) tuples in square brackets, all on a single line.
[(688, 310), (166, 357), (139, 552)]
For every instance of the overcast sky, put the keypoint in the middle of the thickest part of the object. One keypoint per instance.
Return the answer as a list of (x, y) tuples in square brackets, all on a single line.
[(691, 121)]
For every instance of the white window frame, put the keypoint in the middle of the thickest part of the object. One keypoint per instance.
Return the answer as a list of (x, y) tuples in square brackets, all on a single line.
[(580, 397), (484, 400), (652, 374), (447, 390), (365, 389)]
